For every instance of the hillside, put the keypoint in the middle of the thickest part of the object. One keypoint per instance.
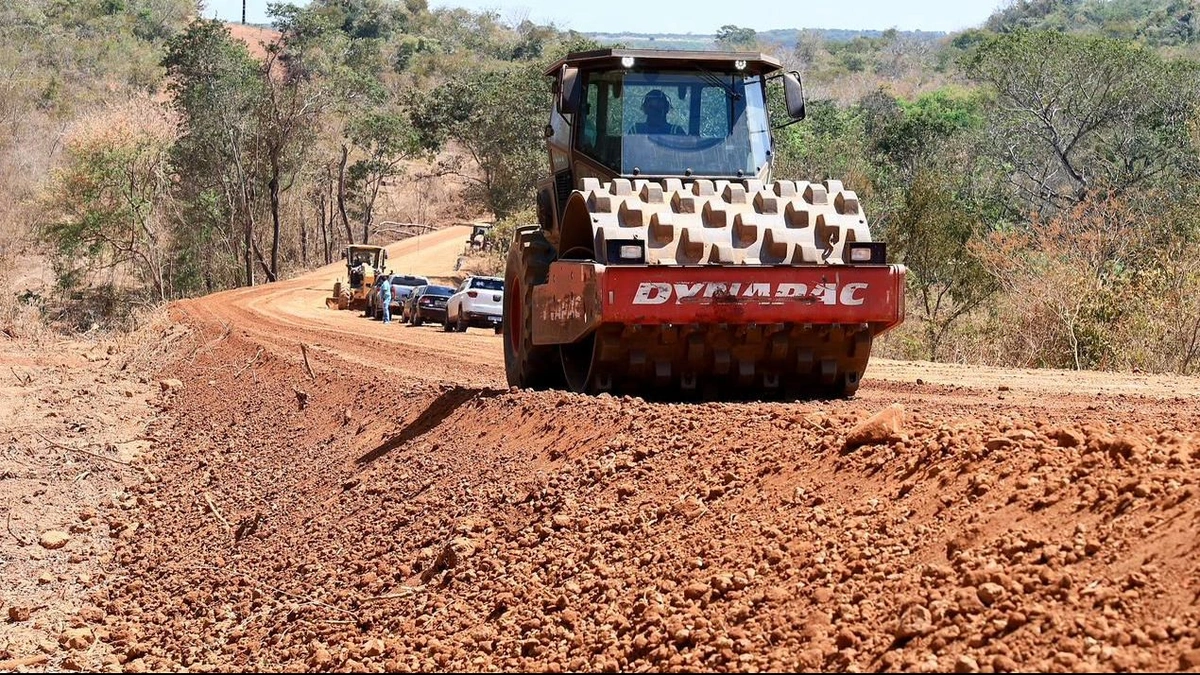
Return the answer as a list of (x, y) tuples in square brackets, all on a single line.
[(255, 37), (1159, 23), (786, 38)]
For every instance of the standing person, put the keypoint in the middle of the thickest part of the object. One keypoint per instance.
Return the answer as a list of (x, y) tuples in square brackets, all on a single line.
[(385, 298)]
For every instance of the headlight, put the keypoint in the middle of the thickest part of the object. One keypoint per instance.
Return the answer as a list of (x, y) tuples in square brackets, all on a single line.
[(625, 252), (866, 252)]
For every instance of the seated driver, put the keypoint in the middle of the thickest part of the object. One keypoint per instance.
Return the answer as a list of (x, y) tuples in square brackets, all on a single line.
[(656, 106)]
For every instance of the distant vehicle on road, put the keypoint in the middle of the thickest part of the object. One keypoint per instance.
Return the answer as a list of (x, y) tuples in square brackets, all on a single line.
[(478, 303), (426, 303), (478, 240)]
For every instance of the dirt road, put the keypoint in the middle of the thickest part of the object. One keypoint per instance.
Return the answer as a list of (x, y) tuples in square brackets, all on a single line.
[(294, 311), (392, 505)]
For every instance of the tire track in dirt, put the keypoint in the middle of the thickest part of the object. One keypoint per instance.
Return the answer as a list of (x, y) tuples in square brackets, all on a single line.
[(404, 510)]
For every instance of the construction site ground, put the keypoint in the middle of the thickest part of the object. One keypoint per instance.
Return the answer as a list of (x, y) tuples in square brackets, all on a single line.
[(260, 482)]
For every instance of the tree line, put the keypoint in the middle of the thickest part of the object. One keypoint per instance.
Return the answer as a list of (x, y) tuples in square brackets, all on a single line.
[(1040, 194)]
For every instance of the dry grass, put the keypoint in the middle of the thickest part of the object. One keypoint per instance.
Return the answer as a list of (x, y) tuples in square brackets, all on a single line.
[(152, 340), (481, 266), (423, 196), (22, 322)]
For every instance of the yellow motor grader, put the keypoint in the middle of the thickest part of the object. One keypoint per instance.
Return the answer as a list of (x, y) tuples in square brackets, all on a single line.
[(363, 263)]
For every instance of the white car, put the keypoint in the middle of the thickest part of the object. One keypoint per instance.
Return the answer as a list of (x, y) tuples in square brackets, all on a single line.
[(478, 302)]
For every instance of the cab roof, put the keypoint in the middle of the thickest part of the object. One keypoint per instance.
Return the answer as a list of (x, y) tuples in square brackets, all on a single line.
[(653, 59)]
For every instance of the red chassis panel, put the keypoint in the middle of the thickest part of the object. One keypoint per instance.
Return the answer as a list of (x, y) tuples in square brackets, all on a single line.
[(580, 296)]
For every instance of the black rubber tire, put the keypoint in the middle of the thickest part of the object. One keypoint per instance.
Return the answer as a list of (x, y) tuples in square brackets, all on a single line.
[(461, 324), (446, 327), (526, 364)]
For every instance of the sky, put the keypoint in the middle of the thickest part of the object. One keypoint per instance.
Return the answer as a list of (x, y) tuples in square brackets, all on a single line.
[(697, 16)]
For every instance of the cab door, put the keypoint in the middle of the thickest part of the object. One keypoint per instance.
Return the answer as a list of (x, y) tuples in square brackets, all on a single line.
[(553, 190)]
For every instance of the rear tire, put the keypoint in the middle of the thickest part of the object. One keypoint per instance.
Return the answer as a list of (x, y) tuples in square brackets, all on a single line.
[(461, 324), (446, 323), (337, 295), (527, 364)]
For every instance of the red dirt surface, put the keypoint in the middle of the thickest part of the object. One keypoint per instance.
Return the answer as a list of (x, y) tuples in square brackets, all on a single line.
[(400, 508), (73, 415)]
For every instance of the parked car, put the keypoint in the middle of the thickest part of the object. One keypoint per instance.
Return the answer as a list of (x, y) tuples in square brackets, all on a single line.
[(478, 302), (373, 309), (402, 285), (426, 303)]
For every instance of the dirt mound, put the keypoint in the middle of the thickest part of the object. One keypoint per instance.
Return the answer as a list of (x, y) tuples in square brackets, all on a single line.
[(73, 415), (365, 521)]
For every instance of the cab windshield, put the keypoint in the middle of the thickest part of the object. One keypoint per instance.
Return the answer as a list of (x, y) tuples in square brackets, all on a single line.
[(675, 123), (371, 258)]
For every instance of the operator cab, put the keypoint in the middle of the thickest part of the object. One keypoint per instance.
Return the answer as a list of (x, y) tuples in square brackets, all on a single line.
[(363, 261), (654, 114), (715, 123)]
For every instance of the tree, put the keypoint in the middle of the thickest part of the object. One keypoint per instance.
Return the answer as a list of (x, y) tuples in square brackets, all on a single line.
[(730, 36), (216, 88), (496, 116), (330, 70), (934, 201), (387, 140), (1077, 115), (933, 232), (108, 207)]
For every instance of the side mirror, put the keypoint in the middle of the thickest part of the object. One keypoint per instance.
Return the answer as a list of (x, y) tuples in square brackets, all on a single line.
[(793, 93), (570, 90)]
